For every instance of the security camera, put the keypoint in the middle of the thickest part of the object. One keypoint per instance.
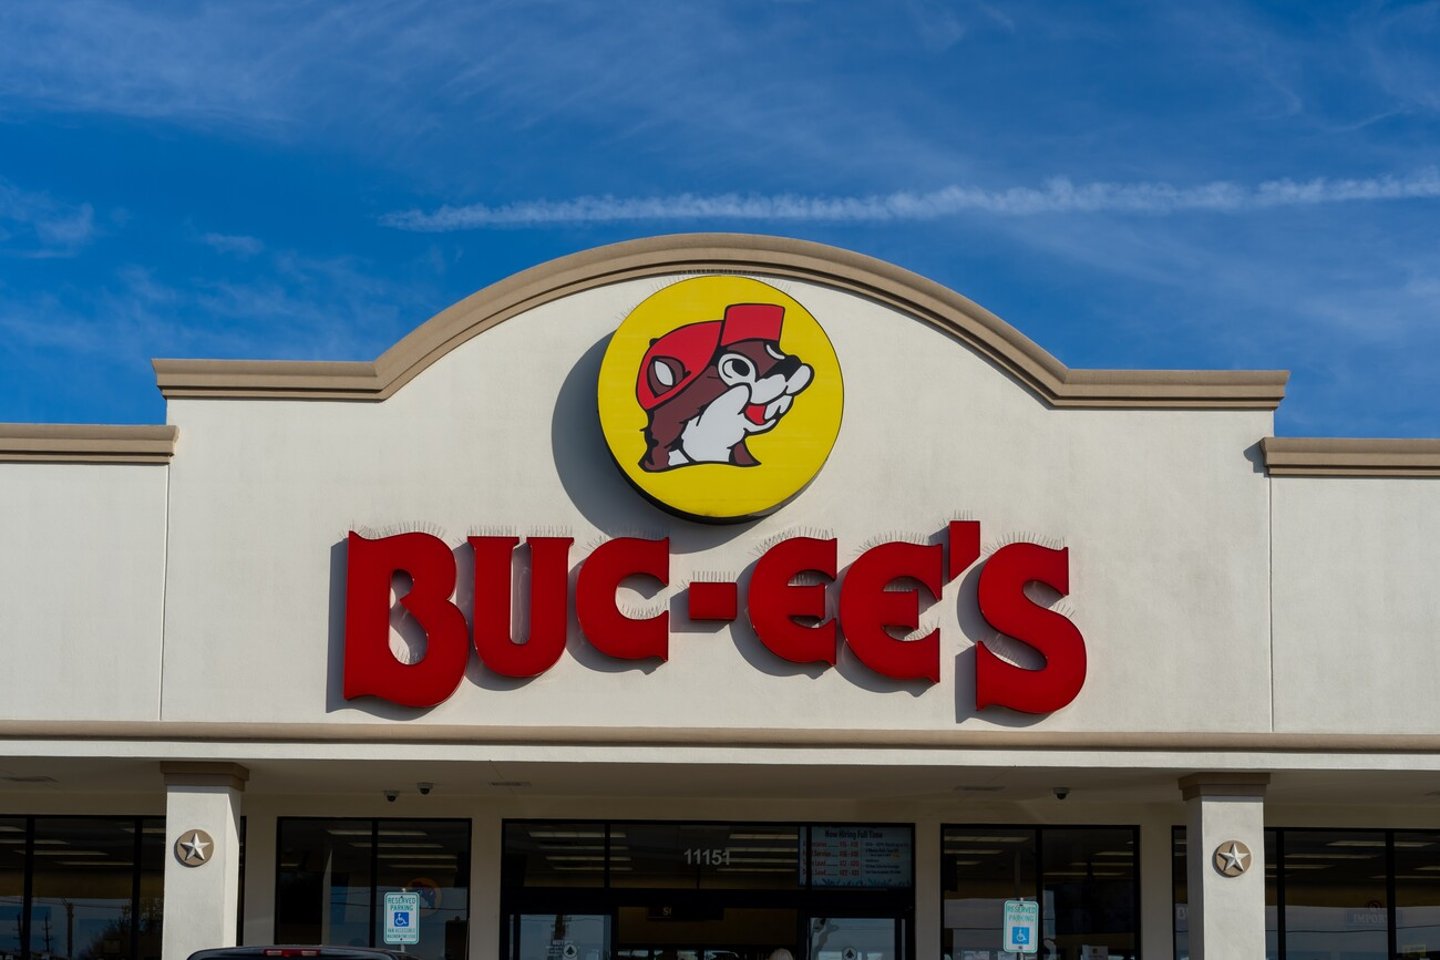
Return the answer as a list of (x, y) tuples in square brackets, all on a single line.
[(425, 788), (391, 795), (1061, 793)]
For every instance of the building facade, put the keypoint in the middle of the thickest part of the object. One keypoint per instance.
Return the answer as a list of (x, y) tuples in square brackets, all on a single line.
[(704, 597)]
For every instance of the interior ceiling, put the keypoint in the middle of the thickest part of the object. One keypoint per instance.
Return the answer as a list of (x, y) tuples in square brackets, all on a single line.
[(939, 784)]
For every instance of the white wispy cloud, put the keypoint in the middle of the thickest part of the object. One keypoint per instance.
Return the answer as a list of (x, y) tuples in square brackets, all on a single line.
[(35, 224), (1059, 195), (234, 244)]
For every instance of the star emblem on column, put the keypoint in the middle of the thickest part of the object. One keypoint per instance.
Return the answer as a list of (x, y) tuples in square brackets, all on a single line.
[(1232, 858), (194, 848)]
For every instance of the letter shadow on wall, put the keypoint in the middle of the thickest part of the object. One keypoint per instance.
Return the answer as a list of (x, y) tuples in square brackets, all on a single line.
[(755, 653), (763, 659), (476, 673), (975, 629), (595, 484), (335, 660), (577, 647)]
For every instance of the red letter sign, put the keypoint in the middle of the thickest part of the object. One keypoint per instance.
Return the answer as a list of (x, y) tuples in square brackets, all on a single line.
[(370, 666), (607, 629), (549, 596), (1006, 608), (867, 608), (774, 602)]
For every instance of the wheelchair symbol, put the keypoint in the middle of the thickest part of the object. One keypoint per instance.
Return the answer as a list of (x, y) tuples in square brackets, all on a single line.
[(402, 918), (1020, 936)]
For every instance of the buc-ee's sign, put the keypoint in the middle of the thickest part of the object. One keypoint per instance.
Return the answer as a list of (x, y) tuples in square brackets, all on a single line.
[(879, 596), (720, 398)]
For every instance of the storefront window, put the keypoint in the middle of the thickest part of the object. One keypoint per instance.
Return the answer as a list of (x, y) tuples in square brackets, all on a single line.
[(332, 877), (1417, 894), (983, 867), (1360, 894), (150, 900), (95, 888), (12, 884), (1085, 879), (1335, 894), (676, 890), (553, 854), (704, 856)]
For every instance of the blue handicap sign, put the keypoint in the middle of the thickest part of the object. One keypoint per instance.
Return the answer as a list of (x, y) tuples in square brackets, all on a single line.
[(1020, 936), (402, 918)]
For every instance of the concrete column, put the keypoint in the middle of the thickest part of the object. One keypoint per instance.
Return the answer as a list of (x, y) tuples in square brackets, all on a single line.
[(260, 840), (201, 901), (1157, 912), (1227, 913), (928, 908), (485, 849)]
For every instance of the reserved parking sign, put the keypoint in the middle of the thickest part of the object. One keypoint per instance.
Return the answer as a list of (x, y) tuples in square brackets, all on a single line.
[(1022, 926), (402, 918)]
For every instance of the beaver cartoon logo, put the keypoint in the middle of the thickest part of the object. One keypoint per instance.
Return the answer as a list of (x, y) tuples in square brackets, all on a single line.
[(720, 397), (708, 386)]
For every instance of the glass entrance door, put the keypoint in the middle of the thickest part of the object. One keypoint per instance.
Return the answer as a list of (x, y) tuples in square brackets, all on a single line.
[(701, 931), (680, 890), (561, 936), (854, 938)]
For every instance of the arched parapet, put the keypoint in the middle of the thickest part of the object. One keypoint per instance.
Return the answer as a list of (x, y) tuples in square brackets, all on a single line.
[(1023, 359)]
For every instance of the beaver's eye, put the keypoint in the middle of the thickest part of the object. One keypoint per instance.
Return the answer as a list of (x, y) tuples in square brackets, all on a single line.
[(735, 369)]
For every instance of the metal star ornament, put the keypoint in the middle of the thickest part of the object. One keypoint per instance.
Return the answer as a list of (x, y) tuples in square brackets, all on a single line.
[(194, 848), (1232, 858)]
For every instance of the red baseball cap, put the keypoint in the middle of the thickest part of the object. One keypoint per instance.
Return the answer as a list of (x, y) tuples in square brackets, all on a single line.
[(694, 344)]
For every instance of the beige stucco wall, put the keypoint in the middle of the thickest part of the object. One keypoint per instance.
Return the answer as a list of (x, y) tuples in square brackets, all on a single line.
[(1357, 612), (82, 560), (1164, 512)]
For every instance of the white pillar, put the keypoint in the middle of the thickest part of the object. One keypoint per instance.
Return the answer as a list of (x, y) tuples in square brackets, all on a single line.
[(1226, 812), (485, 852), (201, 901), (260, 839), (1156, 862)]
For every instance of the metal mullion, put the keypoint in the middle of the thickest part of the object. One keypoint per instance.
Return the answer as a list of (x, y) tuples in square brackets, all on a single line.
[(28, 895), (1280, 943), (374, 872), (612, 909), (1040, 879), (1137, 882), (1392, 912), (135, 889)]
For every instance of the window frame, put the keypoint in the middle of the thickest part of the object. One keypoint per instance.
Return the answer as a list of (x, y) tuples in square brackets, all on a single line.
[(374, 860), (1039, 830)]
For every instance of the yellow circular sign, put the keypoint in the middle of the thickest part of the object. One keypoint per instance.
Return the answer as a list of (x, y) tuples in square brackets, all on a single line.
[(720, 397)]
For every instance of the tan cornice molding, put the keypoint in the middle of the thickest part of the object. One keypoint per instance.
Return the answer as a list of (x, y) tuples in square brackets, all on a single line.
[(456, 734), (186, 773), (1329, 457), (1223, 784), (86, 443), (731, 253)]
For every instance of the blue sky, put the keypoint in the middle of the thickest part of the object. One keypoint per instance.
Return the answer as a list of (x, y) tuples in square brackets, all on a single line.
[(1142, 184)]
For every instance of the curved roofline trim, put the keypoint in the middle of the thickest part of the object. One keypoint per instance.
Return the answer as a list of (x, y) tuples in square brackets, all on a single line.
[(877, 280)]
